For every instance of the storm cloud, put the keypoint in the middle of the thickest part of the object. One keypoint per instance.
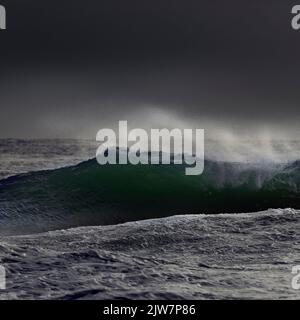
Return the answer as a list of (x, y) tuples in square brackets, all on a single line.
[(69, 68)]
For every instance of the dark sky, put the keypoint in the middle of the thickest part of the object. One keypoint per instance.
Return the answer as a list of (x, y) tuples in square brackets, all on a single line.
[(69, 68)]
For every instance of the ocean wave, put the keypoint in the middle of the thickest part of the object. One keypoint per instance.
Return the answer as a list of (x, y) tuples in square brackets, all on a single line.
[(90, 194)]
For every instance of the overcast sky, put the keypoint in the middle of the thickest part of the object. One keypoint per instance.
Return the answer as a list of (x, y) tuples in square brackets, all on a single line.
[(69, 68)]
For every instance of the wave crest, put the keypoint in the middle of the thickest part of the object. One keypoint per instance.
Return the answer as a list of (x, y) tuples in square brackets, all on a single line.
[(90, 194)]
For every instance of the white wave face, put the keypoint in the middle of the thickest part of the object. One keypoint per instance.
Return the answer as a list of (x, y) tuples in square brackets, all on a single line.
[(223, 256)]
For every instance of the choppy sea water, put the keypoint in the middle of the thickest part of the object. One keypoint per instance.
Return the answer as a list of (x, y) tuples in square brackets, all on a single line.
[(246, 256), (21, 156), (195, 256)]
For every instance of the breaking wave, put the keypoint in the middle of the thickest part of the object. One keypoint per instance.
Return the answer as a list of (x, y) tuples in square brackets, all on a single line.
[(90, 194)]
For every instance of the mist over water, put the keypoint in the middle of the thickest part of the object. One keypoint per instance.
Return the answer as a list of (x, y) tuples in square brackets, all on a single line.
[(265, 155), (237, 140), (263, 152)]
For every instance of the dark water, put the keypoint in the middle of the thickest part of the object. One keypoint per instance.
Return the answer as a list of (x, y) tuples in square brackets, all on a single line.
[(194, 256)]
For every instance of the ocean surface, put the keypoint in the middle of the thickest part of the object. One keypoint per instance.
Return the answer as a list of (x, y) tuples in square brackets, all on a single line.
[(71, 229)]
